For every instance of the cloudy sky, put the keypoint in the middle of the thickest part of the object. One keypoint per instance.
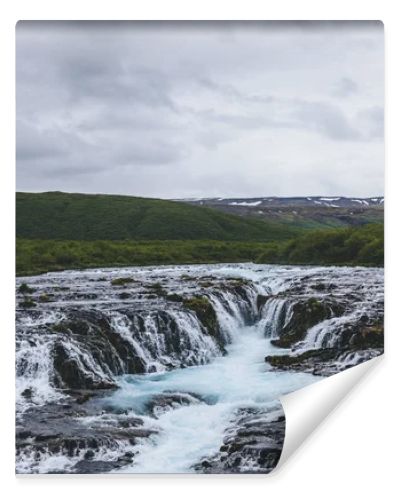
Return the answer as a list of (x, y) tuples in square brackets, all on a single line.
[(177, 110)]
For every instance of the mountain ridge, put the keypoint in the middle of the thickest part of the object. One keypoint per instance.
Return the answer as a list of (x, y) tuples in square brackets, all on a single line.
[(272, 201), (75, 216)]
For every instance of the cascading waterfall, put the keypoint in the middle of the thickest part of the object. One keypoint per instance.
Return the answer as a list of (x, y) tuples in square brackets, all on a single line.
[(275, 314), (165, 341), (183, 380), (34, 372), (327, 333)]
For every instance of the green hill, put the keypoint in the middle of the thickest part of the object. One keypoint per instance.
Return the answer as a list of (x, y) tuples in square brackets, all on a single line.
[(65, 216)]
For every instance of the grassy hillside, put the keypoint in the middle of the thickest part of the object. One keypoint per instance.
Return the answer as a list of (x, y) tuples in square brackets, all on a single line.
[(64, 216), (57, 231), (363, 246)]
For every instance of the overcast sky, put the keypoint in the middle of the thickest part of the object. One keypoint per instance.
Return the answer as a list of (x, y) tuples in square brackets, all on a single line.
[(176, 110)]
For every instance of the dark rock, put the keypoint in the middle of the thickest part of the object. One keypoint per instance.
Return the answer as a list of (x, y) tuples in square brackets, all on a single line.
[(205, 312), (122, 281), (261, 300), (25, 289), (89, 455), (306, 314), (27, 393), (174, 297), (166, 401), (27, 303), (95, 466), (253, 444)]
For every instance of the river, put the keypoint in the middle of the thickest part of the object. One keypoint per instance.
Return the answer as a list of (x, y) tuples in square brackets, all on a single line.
[(132, 371)]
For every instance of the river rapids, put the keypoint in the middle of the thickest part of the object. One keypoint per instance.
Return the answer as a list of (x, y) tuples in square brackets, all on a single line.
[(179, 369)]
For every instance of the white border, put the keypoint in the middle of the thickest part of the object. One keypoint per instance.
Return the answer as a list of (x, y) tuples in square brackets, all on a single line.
[(355, 452)]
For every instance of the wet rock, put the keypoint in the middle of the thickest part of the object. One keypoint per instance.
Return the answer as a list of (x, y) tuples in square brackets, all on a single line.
[(56, 429), (27, 303), (88, 455), (174, 297), (252, 444), (306, 313), (25, 289), (27, 393), (73, 374), (167, 321), (166, 401), (205, 312), (44, 297), (261, 300), (122, 281), (95, 467)]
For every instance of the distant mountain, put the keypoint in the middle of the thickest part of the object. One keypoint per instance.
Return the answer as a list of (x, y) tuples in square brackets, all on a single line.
[(300, 201), (65, 216), (311, 212)]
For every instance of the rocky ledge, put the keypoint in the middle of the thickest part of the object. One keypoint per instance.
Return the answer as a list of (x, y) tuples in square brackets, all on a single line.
[(252, 443)]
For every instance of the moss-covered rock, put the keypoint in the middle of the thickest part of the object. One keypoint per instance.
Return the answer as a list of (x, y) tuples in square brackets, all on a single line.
[(25, 289), (44, 297), (122, 281), (287, 362), (186, 277), (28, 303), (205, 313), (261, 300), (157, 289), (72, 375), (306, 314), (206, 284), (174, 297), (238, 281), (368, 337)]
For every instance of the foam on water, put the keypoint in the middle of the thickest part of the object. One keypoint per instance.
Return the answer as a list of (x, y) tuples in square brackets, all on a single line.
[(163, 335), (187, 434)]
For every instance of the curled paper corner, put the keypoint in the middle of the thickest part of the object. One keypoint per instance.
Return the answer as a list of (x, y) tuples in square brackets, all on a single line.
[(306, 408)]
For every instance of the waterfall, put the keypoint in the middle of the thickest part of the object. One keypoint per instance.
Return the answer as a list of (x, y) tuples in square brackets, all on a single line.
[(329, 333), (275, 314), (164, 340), (33, 358), (233, 310), (34, 372), (325, 334), (98, 340), (183, 350)]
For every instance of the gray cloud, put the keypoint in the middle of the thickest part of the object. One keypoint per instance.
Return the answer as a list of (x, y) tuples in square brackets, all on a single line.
[(200, 109), (345, 87)]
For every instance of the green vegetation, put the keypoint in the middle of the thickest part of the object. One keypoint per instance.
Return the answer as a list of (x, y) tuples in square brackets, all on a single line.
[(351, 246), (174, 297), (84, 217), (27, 303), (204, 311), (121, 281), (44, 297), (157, 289), (38, 256), (24, 289), (57, 231)]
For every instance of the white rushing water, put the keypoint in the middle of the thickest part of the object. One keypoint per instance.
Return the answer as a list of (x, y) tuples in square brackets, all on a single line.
[(191, 394), (189, 433)]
